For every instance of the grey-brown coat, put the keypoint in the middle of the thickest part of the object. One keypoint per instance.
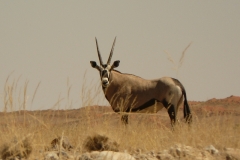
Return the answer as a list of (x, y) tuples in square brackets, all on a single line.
[(130, 93)]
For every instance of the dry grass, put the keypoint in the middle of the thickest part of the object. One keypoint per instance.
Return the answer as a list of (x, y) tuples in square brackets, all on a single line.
[(145, 131)]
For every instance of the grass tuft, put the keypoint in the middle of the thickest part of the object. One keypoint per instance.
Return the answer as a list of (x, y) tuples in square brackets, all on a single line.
[(100, 143), (16, 148)]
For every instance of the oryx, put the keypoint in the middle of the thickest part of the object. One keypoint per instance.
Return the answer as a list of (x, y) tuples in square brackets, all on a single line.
[(130, 93)]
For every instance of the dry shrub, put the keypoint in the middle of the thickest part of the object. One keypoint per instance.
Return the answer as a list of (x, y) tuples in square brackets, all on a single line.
[(100, 143), (178, 65), (19, 149), (61, 140)]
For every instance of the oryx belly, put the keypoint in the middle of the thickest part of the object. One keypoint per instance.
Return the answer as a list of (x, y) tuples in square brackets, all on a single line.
[(153, 108)]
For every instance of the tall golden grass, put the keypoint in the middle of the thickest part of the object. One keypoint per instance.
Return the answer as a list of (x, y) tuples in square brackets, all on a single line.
[(145, 131)]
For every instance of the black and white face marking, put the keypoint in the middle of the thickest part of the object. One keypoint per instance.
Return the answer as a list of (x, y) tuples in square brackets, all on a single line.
[(105, 75), (105, 71)]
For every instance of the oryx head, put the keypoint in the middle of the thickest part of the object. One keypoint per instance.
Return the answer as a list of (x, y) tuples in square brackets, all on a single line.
[(105, 69)]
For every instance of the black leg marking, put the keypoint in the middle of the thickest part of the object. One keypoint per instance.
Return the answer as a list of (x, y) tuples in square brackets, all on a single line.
[(166, 104), (171, 111), (144, 106), (124, 119)]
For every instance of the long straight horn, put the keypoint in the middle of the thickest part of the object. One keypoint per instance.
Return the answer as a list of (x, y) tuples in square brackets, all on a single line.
[(110, 56), (99, 55)]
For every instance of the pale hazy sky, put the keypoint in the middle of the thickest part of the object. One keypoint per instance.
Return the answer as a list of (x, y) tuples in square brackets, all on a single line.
[(52, 42)]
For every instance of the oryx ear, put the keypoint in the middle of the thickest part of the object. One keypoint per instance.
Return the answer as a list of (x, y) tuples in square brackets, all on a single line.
[(93, 64), (115, 64)]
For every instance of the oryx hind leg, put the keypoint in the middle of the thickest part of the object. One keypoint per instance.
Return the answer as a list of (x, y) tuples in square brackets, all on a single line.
[(180, 102), (177, 99), (171, 111), (172, 102), (172, 114)]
